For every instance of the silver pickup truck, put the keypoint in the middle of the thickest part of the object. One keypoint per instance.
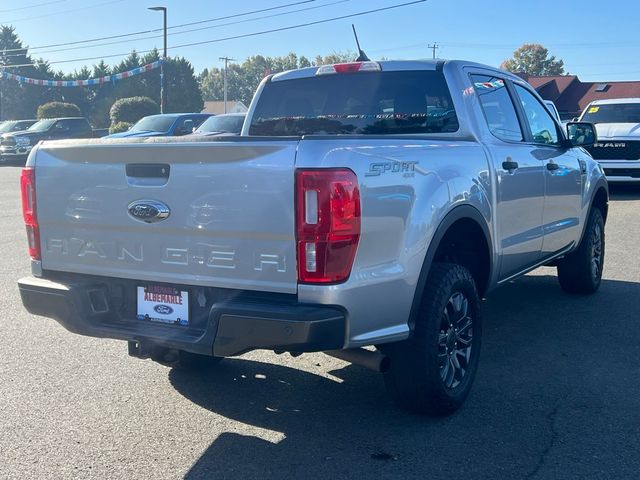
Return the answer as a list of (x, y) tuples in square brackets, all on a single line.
[(365, 204)]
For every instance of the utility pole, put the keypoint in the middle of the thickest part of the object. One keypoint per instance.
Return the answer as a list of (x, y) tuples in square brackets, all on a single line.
[(226, 63), (434, 47), (164, 56)]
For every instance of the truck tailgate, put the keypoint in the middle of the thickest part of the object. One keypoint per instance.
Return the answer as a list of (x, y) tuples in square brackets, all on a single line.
[(231, 220)]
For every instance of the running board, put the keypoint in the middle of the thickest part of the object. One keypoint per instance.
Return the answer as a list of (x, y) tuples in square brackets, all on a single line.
[(554, 256)]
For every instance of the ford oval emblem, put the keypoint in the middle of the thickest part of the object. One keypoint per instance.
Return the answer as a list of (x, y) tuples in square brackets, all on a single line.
[(149, 211), (163, 309)]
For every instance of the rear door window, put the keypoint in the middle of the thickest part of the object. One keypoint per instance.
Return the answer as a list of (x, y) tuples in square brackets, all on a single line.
[(497, 107), (366, 103)]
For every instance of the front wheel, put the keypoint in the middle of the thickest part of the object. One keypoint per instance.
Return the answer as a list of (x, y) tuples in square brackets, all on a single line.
[(433, 371), (581, 270)]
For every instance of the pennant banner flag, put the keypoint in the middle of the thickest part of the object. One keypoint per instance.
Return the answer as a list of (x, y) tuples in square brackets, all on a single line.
[(82, 83)]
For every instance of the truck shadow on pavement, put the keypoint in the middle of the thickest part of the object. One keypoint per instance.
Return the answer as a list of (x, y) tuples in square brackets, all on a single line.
[(556, 390)]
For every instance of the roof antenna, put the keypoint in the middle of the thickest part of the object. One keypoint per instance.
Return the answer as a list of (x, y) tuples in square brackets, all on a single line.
[(362, 57)]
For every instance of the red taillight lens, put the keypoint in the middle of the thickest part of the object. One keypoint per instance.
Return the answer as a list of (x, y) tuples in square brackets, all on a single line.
[(28, 189), (327, 224), (347, 67)]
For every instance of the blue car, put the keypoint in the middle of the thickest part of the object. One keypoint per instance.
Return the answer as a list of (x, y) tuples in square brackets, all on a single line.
[(164, 125)]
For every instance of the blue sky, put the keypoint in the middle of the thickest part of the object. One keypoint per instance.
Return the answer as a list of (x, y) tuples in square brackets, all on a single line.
[(595, 41)]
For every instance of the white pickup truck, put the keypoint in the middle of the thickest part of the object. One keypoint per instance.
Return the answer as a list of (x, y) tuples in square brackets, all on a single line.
[(364, 204), (617, 123)]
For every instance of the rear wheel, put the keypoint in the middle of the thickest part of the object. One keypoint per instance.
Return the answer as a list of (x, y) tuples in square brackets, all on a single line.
[(581, 270), (433, 371)]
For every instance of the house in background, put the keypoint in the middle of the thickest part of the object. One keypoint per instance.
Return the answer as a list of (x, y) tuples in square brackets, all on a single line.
[(216, 107), (571, 95)]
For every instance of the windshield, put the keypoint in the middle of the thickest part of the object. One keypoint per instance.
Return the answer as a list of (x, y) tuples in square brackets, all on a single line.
[(154, 124), (42, 125), (613, 113), (223, 124), (357, 104), (6, 127)]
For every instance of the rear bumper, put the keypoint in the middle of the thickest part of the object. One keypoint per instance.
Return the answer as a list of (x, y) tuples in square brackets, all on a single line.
[(228, 325)]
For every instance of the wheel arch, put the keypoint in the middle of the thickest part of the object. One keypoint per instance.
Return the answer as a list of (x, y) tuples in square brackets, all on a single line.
[(458, 225), (599, 199)]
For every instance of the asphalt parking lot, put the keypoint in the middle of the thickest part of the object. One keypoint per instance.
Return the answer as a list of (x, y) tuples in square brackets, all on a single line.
[(557, 394)]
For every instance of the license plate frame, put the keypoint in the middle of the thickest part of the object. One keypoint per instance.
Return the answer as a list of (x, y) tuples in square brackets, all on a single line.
[(163, 304)]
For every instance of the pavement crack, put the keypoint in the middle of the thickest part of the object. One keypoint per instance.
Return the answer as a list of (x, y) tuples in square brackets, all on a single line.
[(551, 418)]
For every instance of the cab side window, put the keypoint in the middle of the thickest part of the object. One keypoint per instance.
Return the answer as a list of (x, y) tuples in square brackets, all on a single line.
[(497, 107), (543, 127), (62, 126)]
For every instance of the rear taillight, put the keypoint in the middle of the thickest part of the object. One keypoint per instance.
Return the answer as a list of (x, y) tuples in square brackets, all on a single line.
[(28, 189), (327, 224)]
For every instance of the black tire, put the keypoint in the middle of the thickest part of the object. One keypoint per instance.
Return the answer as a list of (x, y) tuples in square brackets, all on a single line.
[(417, 378), (581, 270), (182, 360)]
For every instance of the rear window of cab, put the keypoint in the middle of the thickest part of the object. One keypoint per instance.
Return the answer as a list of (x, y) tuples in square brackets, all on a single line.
[(363, 103)]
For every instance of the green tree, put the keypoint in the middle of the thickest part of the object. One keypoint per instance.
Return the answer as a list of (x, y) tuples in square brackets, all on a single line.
[(119, 127), (243, 78), (132, 109), (335, 57), (533, 59), (16, 100), (101, 97), (182, 87), (58, 109)]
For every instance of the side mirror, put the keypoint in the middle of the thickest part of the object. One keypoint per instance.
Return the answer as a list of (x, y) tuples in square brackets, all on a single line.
[(187, 127), (581, 134)]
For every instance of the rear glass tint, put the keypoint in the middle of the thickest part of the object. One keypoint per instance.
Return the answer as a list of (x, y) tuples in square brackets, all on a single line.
[(367, 103)]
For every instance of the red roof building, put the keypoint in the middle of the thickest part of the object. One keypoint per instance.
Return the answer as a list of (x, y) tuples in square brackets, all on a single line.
[(571, 95)]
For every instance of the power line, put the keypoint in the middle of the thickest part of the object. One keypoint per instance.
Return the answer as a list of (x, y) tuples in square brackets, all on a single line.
[(32, 6), (301, 25), (142, 32), (61, 12), (552, 45), (186, 31), (234, 37)]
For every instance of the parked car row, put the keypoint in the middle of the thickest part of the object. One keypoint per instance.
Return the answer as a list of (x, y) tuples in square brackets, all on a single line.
[(164, 125), (179, 124), (17, 137), (16, 144)]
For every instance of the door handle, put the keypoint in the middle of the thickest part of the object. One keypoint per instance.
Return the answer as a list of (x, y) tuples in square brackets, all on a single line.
[(551, 166), (509, 164)]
